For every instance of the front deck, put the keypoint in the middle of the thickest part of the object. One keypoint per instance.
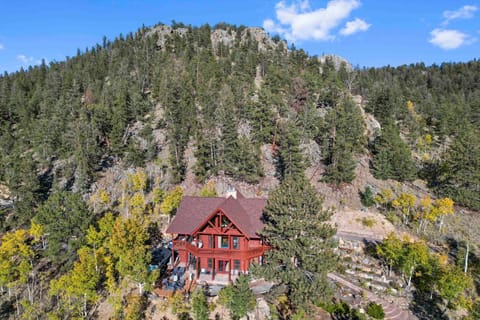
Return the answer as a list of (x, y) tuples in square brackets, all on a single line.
[(219, 253), (206, 278)]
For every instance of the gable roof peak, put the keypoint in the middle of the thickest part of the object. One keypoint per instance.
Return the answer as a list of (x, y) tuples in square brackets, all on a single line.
[(245, 213)]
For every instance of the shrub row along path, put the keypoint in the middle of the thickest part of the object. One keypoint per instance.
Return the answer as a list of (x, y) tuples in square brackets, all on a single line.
[(392, 311)]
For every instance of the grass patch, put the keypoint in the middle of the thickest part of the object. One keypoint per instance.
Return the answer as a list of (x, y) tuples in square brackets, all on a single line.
[(367, 221)]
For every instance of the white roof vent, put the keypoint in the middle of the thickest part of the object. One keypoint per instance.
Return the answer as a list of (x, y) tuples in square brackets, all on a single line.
[(231, 191)]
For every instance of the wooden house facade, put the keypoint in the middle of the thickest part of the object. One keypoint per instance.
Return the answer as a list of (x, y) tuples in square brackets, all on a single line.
[(218, 236)]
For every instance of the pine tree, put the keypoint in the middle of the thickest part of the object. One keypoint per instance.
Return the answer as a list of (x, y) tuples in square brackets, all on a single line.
[(65, 218), (392, 156), (229, 138), (302, 245), (262, 117), (206, 164), (384, 102), (248, 167), (238, 298), (199, 305), (180, 120), (344, 136), (243, 299), (346, 125), (290, 161), (460, 173), (24, 183), (340, 165)]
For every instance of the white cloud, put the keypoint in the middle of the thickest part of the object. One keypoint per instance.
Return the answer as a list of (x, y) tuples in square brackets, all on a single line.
[(354, 26), (465, 12), (23, 59), (449, 39), (27, 61), (2, 46), (299, 21), (271, 26)]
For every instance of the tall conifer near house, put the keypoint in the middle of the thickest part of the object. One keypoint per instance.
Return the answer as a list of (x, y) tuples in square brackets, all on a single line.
[(238, 298), (302, 245), (199, 305)]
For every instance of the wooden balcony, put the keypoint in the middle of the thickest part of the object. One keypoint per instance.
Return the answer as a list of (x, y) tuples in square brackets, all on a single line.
[(219, 253)]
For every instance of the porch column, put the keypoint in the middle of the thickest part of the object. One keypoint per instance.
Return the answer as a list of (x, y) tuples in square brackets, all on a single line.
[(214, 262), (229, 270), (197, 273)]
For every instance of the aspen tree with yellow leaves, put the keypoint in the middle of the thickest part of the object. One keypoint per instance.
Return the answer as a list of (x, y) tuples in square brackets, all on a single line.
[(15, 264), (171, 201), (405, 203)]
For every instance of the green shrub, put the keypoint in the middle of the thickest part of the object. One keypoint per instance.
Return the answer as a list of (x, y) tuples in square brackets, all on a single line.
[(393, 218), (375, 311), (366, 197)]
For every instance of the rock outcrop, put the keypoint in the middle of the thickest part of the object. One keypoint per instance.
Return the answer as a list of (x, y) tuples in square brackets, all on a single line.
[(6, 200), (337, 61), (225, 37)]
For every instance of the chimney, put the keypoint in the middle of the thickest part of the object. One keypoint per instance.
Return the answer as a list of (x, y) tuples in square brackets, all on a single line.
[(231, 191)]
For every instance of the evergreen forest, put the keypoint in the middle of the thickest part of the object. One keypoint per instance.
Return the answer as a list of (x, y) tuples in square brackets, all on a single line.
[(176, 106)]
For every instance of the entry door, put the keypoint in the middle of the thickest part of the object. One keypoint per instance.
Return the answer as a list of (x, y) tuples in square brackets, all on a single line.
[(222, 265)]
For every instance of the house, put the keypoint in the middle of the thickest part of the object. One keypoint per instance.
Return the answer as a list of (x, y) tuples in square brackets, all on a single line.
[(217, 238)]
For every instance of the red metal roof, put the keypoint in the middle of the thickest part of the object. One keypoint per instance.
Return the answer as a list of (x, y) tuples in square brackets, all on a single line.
[(193, 212)]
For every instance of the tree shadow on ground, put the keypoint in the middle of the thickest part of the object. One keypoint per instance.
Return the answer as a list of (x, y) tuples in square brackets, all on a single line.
[(427, 308)]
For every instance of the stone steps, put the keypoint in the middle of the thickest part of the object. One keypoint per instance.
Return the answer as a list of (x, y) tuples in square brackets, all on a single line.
[(392, 311)]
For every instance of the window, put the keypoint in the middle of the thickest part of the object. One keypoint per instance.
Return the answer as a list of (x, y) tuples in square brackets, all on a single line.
[(222, 265), (209, 263), (223, 242), (236, 264), (236, 243)]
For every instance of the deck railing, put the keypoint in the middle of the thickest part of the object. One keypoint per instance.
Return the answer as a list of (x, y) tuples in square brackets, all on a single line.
[(248, 253)]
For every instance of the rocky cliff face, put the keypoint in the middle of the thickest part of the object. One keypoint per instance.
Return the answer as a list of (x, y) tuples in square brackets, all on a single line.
[(225, 37), (336, 60), (164, 32), (6, 200)]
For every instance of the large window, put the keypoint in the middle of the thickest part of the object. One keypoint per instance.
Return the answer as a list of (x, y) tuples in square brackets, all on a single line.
[(236, 243), (223, 242), (209, 263)]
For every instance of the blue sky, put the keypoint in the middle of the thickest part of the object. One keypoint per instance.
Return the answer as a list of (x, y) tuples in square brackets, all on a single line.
[(365, 32)]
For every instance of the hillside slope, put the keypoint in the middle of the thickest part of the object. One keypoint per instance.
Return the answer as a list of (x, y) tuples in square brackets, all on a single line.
[(110, 133)]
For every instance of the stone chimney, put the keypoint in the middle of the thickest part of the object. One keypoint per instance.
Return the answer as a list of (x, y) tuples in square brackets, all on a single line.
[(231, 191)]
